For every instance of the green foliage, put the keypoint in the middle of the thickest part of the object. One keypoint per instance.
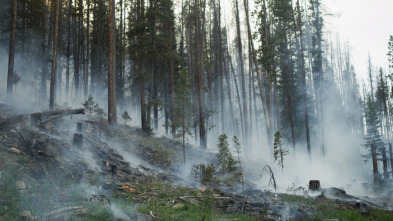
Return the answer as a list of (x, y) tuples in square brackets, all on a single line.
[(382, 93), (126, 117), (93, 107), (226, 161), (89, 105), (279, 153), (204, 173), (390, 51), (349, 215), (201, 207), (373, 123), (182, 110)]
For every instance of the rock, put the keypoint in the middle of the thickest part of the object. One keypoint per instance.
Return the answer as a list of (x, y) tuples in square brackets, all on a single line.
[(14, 150), (314, 185), (26, 215), (20, 185), (178, 206)]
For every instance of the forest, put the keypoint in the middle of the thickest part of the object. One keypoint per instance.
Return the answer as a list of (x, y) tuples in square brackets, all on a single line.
[(266, 72)]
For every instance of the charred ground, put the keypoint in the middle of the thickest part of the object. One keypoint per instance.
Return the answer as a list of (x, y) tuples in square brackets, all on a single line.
[(122, 173)]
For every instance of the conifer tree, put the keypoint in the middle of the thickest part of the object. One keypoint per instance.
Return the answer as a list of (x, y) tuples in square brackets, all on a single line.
[(279, 151), (373, 138), (226, 161)]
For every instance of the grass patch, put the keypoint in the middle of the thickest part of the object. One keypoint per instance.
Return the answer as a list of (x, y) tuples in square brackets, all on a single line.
[(349, 215), (164, 201)]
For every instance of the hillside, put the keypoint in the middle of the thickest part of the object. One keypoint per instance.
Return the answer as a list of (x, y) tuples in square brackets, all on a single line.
[(122, 173)]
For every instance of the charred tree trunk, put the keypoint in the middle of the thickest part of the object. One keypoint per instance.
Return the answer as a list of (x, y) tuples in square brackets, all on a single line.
[(43, 51), (68, 47), (375, 163), (242, 74), (112, 64), (54, 59), (10, 77), (385, 163), (304, 87), (391, 157), (86, 74), (265, 112)]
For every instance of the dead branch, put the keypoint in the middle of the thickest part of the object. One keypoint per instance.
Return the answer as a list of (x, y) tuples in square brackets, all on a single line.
[(151, 214), (140, 194), (38, 116), (66, 216), (64, 209), (272, 180), (53, 118)]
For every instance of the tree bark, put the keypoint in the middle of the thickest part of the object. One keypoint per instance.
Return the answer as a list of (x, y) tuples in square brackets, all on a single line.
[(43, 51), (112, 64), (265, 112), (54, 59), (304, 87), (242, 74), (86, 74), (375, 163), (391, 157), (10, 77)]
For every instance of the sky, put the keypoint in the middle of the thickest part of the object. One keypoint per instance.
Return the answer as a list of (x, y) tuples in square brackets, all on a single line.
[(366, 25)]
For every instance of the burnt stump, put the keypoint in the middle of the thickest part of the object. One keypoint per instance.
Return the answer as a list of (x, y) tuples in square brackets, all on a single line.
[(78, 140), (79, 128), (314, 185)]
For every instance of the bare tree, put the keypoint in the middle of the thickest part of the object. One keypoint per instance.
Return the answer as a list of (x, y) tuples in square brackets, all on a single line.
[(53, 73), (112, 64), (11, 50)]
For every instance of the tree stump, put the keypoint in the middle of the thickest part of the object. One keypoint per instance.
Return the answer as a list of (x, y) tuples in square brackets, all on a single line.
[(79, 128), (114, 170), (35, 118), (78, 140), (314, 185)]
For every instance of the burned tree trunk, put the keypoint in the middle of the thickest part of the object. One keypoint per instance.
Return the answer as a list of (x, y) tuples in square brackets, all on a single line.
[(37, 117), (11, 50), (375, 163), (78, 140), (385, 164), (391, 157), (79, 128)]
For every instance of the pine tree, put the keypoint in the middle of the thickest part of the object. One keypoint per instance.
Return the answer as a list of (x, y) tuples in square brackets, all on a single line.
[(390, 51), (373, 137), (182, 113), (226, 161), (279, 151), (10, 78)]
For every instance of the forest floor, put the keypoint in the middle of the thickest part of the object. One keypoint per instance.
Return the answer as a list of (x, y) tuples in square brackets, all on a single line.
[(122, 173)]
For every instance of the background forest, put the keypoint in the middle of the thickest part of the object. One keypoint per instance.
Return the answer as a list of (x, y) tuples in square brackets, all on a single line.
[(195, 69)]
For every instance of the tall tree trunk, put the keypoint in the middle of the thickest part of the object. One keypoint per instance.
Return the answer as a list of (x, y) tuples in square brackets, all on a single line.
[(199, 39), (375, 163), (265, 112), (304, 87), (112, 64), (172, 78), (86, 74), (10, 77), (385, 163), (391, 157), (68, 47), (53, 73), (43, 51), (242, 74)]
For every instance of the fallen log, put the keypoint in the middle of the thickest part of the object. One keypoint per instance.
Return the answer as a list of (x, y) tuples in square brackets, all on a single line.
[(35, 118)]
